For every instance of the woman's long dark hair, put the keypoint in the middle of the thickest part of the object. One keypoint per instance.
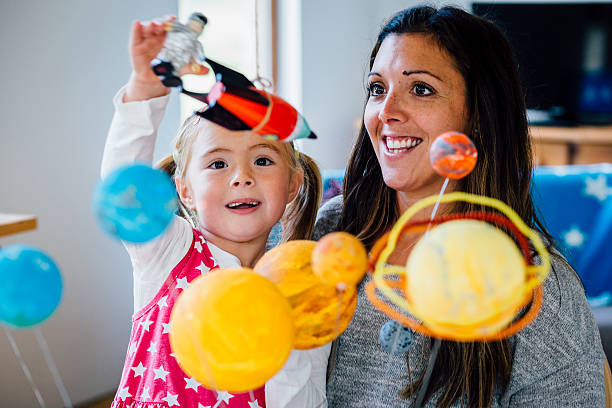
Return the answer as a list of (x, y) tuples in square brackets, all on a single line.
[(496, 110)]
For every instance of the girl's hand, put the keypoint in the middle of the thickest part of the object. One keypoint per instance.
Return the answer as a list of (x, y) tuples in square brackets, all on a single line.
[(146, 41)]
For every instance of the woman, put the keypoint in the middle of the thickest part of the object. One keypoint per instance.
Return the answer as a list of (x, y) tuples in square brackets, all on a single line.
[(433, 71)]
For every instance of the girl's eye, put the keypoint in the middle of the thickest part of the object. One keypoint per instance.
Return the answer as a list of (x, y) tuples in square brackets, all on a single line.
[(218, 165), (422, 90), (375, 89), (263, 161)]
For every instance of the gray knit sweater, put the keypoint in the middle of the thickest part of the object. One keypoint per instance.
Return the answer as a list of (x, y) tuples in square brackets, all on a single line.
[(557, 360)]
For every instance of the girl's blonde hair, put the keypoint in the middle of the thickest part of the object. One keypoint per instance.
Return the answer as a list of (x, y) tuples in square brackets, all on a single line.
[(299, 216)]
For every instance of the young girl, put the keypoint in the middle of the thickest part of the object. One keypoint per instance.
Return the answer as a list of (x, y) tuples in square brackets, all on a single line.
[(234, 187)]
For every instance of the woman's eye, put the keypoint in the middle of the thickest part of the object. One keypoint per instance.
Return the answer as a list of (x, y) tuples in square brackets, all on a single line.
[(218, 165), (376, 89), (422, 90), (263, 161)]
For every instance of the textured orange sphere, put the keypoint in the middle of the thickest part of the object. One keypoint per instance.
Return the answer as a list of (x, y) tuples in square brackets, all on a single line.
[(320, 311), (453, 155), (340, 258)]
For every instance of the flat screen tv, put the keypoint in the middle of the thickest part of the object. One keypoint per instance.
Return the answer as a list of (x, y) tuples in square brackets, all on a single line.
[(564, 52)]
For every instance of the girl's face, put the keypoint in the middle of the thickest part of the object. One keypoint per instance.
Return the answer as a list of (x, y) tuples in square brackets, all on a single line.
[(416, 93), (238, 182)]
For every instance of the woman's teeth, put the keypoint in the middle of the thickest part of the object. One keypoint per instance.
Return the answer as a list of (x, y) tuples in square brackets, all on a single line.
[(397, 145)]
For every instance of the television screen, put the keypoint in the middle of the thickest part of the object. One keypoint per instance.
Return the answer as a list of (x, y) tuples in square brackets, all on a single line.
[(564, 52)]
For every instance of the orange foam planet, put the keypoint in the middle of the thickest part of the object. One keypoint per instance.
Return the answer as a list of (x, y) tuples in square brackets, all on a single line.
[(340, 259), (453, 155), (321, 312)]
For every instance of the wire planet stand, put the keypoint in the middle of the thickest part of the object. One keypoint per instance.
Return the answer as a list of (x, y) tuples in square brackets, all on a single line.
[(13, 224)]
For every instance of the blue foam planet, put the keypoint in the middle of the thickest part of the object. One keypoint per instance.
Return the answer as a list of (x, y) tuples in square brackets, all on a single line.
[(135, 203), (395, 338), (30, 286)]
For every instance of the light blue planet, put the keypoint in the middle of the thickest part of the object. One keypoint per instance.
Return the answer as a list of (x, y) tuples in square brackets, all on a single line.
[(135, 203), (30, 286)]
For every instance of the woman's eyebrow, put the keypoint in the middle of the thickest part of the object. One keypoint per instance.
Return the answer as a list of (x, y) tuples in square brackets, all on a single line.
[(422, 71)]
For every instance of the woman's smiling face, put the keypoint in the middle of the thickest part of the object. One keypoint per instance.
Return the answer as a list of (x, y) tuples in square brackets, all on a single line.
[(416, 94)]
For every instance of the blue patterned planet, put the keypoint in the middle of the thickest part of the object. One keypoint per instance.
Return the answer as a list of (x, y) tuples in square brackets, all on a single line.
[(30, 286), (135, 203), (395, 338)]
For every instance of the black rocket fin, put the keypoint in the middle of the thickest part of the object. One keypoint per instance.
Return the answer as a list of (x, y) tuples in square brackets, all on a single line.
[(222, 117), (202, 97), (230, 77)]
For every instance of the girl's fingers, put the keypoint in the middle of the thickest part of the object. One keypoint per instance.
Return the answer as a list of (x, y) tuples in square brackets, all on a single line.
[(136, 34)]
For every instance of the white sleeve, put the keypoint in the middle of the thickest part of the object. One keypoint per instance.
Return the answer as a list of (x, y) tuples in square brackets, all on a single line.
[(131, 138), (133, 131), (302, 380)]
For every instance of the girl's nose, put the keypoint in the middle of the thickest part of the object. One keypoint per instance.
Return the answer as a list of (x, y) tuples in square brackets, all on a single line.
[(393, 109), (243, 178)]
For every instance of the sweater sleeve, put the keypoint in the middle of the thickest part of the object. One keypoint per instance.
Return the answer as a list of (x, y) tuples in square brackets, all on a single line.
[(558, 359), (328, 217), (131, 138)]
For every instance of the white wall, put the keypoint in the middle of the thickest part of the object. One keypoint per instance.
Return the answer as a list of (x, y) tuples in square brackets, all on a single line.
[(62, 63), (335, 40)]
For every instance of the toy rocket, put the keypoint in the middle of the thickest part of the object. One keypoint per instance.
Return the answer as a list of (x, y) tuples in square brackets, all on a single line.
[(234, 103)]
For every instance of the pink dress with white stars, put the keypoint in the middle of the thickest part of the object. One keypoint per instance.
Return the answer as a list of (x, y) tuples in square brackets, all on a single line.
[(151, 376)]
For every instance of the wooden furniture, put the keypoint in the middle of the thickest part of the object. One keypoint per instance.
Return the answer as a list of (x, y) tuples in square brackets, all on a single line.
[(572, 145), (14, 223)]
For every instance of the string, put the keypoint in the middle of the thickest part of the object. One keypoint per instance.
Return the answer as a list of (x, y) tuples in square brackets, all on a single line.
[(399, 329), (24, 367), (53, 368), (263, 82), (428, 371), (436, 346)]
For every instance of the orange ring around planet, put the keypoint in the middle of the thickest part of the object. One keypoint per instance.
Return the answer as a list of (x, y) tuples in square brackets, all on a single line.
[(485, 329)]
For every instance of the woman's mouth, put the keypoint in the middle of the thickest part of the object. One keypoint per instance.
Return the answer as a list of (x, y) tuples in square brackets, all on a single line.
[(400, 144)]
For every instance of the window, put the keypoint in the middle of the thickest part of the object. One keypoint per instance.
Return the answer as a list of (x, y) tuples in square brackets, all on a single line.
[(230, 38)]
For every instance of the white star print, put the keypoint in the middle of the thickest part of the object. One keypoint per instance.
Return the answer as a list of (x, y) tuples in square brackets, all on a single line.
[(152, 348), (202, 406), (124, 393), (166, 328), (224, 396), (160, 373), (254, 404), (198, 246), (139, 369), (171, 399), (132, 348), (598, 187), (145, 394), (182, 283), (574, 237), (202, 268), (192, 383), (146, 324), (162, 302)]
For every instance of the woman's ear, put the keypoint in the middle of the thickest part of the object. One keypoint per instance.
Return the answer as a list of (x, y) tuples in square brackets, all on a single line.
[(297, 178), (184, 192)]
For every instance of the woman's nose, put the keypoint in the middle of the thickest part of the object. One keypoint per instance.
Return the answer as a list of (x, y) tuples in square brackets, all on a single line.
[(392, 109)]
